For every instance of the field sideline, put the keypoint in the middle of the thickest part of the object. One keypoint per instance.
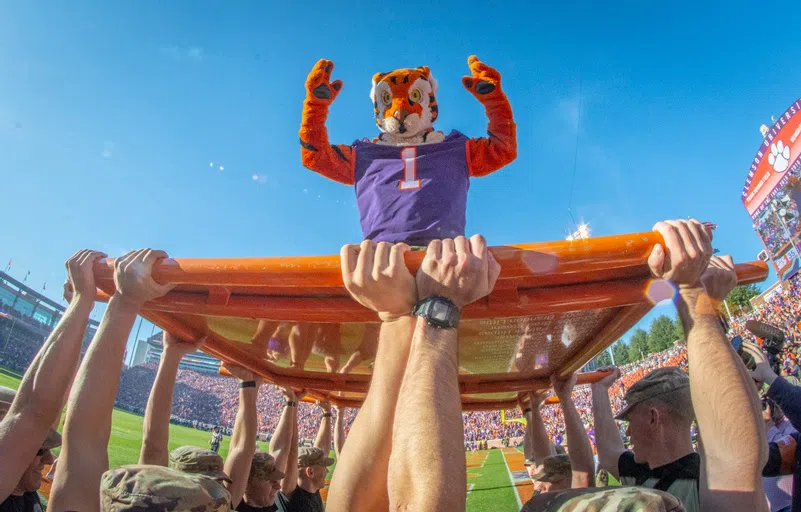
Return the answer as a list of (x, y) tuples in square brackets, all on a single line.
[(489, 473)]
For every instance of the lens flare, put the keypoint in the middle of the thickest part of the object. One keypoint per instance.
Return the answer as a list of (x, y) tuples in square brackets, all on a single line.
[(659, 290)]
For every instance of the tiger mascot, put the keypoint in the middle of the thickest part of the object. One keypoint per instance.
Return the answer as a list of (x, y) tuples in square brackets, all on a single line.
[(411, 181)]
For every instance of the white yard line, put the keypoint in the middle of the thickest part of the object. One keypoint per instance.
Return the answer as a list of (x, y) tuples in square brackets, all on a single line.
[(512, 480)]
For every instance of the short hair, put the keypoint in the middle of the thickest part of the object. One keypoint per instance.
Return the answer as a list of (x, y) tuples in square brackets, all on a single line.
[(677, 405)]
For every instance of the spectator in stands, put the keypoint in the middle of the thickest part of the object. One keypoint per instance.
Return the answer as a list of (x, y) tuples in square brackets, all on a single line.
[(38, 403), (779, 489), (659, 407), (784, 452), (87, 429), (425, 464)]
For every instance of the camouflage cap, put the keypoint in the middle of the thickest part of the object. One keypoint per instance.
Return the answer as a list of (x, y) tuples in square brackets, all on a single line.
[(554, 469), (263, 468), (193, 459), (313, 457), (159, 489), (7, 395), (659, 382), (608, 499)]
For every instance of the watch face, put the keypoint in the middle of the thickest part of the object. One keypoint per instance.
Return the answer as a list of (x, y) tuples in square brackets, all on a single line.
[(440, 312)]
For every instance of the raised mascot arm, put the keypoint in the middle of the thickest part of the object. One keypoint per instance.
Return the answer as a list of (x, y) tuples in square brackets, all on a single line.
[(499, 147), (316, 153)]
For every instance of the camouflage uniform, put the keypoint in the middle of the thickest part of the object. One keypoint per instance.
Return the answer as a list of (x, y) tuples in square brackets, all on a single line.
[(137, 488), (610, 499)]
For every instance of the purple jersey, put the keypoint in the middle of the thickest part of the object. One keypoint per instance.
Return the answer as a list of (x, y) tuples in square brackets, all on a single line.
[(412, 194)]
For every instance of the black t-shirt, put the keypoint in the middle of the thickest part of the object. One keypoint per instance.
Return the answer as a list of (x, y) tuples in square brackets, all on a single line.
[(301, 501), (679, 478), (244, 507), (28, 502)]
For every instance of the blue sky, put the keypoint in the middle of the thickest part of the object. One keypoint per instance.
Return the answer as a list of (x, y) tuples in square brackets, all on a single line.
[(111, 113)]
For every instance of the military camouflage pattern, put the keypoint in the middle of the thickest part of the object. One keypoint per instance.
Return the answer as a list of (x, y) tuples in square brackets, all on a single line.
[(263, 468), (554, 468), (313, 457), (138, 488), (193, 459), (658, 382), (610, 499)]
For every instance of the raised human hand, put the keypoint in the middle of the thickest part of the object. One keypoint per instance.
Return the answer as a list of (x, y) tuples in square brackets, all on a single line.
[(377, 278), (460, 270), (685, 254), (564, 388), (80, 275), (610, 379), (243, 374), (133, 277), (319, 87), (178, 346), (484, 81), (719, 278)]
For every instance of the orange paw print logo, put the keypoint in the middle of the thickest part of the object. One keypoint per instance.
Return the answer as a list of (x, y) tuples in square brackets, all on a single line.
[(484, 80)]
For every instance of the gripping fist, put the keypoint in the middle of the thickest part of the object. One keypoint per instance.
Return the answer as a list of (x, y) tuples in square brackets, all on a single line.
[(319, 86), (485, 80)]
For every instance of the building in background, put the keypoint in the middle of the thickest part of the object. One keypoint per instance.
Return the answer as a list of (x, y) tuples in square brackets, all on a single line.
[(198, 361), (139, 352), (26, 320)]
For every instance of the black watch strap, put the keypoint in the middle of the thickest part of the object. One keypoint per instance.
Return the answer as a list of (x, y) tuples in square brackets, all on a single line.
[(326, 415), (290, 403), (247, 384), (439, 312)]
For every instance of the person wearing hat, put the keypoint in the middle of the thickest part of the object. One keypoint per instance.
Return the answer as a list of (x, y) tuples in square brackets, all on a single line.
[(140, 487), (264, 484), (313, 464), (554, 474), (659, 412), (42, 393), (24, 496), (660, 409)]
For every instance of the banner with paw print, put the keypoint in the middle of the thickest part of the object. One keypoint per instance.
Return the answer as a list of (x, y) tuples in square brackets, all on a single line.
[(772, 192)]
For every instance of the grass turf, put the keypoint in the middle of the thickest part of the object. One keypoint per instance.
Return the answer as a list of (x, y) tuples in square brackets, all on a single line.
[(491, 490)]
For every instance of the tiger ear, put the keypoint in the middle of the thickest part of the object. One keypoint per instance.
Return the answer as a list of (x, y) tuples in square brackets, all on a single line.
[(426, 71), (377, 77)]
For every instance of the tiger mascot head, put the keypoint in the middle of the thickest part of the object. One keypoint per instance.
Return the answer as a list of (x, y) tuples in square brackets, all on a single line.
[(405, 106)]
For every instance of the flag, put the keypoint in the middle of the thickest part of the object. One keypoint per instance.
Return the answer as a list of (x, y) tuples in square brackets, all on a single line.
[(44, 286), (26, 276), (8, 267)]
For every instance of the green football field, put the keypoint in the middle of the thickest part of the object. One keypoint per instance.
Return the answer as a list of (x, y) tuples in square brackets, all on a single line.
[(490, 473)]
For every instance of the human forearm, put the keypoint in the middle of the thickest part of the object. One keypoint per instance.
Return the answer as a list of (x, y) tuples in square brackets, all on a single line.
[(243, 444), (607, 437), (156, 427), (339, 432), (281, 443), (581, 461), (87, 429), (721, 389), (323, 439), (541, 445)]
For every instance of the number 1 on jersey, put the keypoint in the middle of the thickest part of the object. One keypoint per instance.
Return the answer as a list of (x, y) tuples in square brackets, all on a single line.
[(410, 181)]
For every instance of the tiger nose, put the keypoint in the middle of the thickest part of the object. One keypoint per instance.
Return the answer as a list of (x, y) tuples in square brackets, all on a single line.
[(400, 115)]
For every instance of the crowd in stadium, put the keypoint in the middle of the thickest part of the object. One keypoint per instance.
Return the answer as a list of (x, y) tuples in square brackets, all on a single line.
[(405, 444)]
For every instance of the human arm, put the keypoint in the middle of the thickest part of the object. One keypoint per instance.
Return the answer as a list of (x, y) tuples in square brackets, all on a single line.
[(284, 443), (607, 437), (84, 455), (323, 439), (336, 162), (720, 385), (243, 440), (536, 434), (339, 431), (580, 453), (156, 425), (40, 397), (499, 147)]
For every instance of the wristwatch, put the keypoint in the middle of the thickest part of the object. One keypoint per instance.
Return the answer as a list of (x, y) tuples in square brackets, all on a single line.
[(439, 312)]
